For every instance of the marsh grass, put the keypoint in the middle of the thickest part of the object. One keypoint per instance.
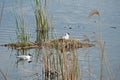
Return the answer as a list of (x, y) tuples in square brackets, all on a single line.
[(104, 62), (59, 65), (60, 59), (21, 30), (42, 21)]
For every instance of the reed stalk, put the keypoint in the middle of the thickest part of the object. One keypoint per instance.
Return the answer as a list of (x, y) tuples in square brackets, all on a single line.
[(59, 65), (42, 21), (103, 58), (21, 30)]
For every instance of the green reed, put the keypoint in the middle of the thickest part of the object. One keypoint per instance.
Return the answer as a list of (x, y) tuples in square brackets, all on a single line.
[(21, 30), (42, 21)]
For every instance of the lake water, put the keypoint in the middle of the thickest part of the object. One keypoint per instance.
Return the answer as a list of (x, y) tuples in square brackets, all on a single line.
[(66, 16)]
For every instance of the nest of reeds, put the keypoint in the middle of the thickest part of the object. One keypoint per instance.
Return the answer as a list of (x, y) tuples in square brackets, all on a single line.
[(66, 44), (61, 44)]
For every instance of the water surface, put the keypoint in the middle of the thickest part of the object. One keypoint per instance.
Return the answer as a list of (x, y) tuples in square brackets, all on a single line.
[(66, 16)]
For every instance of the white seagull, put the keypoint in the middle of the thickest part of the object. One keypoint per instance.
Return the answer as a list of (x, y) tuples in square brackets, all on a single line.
[(66, 36), (25, 57)]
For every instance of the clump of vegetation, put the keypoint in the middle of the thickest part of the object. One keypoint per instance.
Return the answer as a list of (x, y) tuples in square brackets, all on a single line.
[(21, 31), (67, 44), (42, 21), (41, 16), (61, 44), (59, 65)]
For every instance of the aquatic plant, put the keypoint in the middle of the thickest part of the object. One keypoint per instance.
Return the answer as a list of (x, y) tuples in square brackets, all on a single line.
[(42, 21), (60, 65), (21, 30), (103, 58), (60, 58), (66, 44)]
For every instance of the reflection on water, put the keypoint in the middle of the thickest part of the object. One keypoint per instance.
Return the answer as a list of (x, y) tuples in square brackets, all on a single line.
[(21, 60), (68, 16), (29, 69)]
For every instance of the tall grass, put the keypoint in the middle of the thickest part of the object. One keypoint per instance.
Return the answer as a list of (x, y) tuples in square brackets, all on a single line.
[(104, 62), (42, 21), (21, 30), (59, 65)]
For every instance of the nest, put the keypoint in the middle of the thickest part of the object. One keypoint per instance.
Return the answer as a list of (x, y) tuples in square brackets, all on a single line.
[(66, 44), (62, 44)]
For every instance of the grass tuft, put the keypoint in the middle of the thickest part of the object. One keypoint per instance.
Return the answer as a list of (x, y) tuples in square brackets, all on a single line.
[(42, 21), (21, 30)]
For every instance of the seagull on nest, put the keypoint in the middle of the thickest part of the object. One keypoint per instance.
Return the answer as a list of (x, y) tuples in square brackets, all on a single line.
[(66, 36)]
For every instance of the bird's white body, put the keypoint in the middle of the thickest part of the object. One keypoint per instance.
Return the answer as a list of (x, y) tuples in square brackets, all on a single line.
[(25, 57), (66, 36)]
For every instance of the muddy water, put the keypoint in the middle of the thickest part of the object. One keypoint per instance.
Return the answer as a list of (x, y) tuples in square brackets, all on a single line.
[(66, 16)]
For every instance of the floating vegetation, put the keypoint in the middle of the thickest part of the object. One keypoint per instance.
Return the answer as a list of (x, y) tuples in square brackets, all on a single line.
[(67, 44), (21, 45), (62, 44)]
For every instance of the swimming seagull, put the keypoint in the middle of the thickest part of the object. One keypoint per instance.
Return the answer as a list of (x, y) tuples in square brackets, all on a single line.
[(66, 36), (25, 57)]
